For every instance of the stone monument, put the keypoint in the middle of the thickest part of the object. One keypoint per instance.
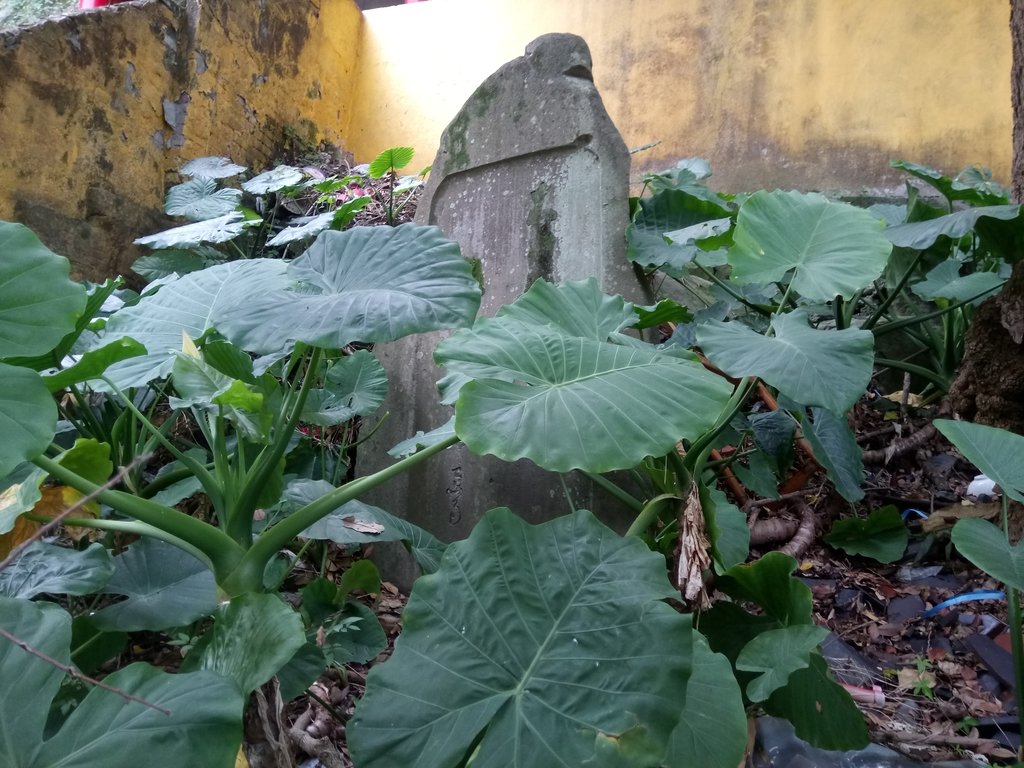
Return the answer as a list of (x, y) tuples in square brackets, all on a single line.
[(532, 180)]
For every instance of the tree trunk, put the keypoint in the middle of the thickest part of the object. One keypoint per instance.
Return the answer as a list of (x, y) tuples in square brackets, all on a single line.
[(989, 388)]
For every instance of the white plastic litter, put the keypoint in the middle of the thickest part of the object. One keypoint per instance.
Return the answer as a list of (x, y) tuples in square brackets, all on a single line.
[(981, 485)]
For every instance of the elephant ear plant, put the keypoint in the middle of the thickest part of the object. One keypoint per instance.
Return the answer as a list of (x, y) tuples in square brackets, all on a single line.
[(198, 334)]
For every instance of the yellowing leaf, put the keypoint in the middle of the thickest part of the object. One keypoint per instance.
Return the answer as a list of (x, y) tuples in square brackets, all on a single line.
[(58, 498), (22, 531)]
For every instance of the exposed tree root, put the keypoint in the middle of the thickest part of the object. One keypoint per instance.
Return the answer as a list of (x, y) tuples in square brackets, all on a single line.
[(321, 748), (899, 446), (772, 531), (804, 535)]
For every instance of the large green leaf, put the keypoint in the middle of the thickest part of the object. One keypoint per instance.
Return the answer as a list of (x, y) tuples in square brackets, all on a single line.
[(569, 402), (576, 308), (218, 230), (767, 582), (252, 638), (355, 636), (986, 546), (836, 450), (776, 654), (972, 185), (29, 682), (348, 524), (200, 199), (105, 731), (827, 368), (43, 568), (356, 385), (365, 284), (306, 229), (94, 363), (820, 710), (672, 211), (187, 305), (529, 645), (946, 282), (995, 452), (833, 248), (727, 527), (273, 180), (712, 730), (39, 304), (164, 263), (165, 587), (212, 168), (882, 535), (920, 235), (28, 417)]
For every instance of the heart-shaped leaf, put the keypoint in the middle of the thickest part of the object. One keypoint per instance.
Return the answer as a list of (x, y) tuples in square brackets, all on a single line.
[(986, 546), (200, 199), (187, 305), (252, 638), (191, 719), (273, 180), (882, 535), (212, 168), (528, 637), (218, 230), (836, 450), (827, 368), (776, 654), (995, 452), (28, 417), (671, 211), (39, 304), (920, 235), (710, 730), (355, 386), (833, 248), (43, 568), (165, 587), (568, 402), (946, 282), (365, 284)]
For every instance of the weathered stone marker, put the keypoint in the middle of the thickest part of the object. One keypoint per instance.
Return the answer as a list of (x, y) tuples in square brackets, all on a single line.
[(532, 179)]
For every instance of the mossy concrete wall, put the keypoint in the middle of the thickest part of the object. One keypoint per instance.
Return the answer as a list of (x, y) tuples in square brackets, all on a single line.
[(100, 108), (811, 94)]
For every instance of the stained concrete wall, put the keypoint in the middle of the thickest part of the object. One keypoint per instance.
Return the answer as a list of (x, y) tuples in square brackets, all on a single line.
[(99, 108), (811, 94)]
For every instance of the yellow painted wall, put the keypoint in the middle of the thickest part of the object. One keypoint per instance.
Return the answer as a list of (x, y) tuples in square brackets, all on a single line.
[(815, 94), (99, 109)]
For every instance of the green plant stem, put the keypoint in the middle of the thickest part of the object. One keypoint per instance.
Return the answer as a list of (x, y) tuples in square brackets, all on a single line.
[(650, 512), (210, 485), (925, 373), (903, 322), (217, 548), (248, 575), (710, 275), (732, 407), (613, 489), (127, 526), (241, 512), (1017, 647), (894, 294), (167, 479)]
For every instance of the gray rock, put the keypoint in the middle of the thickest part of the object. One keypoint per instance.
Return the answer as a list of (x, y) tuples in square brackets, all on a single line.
[(531, 179)]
